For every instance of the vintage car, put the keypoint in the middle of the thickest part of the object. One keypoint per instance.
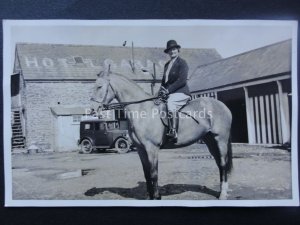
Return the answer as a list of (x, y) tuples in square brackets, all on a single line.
[(103, 134)]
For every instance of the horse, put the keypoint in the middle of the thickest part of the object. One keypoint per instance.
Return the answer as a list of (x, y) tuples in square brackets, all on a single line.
[(211, 123)]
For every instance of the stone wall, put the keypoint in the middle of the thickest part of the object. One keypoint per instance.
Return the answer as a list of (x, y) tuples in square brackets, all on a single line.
[(40, 97)]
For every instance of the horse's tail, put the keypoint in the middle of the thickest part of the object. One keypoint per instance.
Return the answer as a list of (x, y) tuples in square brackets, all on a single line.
[(229, 164)]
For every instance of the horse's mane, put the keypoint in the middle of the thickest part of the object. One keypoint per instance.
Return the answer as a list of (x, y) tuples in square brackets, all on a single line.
[(137, 88)]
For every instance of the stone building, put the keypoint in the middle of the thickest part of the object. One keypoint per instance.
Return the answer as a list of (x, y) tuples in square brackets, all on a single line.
[(51, 86), (256, 86)]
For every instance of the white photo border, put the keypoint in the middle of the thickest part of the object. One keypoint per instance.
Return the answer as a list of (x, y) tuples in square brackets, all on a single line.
[(7, 66)]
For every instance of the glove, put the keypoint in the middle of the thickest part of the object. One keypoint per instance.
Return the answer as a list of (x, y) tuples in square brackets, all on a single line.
[(163, 93)]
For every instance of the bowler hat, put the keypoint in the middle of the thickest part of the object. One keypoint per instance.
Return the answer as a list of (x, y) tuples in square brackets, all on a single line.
[(171, 44)]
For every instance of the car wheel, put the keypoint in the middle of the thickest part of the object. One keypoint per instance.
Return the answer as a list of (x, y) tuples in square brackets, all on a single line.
[(122, 146), (86, 146)]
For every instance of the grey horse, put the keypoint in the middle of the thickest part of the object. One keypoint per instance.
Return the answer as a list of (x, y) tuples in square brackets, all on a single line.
[(203, 118)]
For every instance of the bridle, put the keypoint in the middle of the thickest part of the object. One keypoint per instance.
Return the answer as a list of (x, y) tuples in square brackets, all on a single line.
[(122, 105), (105, 95)]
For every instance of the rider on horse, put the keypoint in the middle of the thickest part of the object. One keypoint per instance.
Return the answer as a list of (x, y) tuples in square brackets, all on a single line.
[(174, 86)]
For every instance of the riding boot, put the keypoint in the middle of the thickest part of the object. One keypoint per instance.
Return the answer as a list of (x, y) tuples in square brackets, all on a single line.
[(170, 124), (173, 126)]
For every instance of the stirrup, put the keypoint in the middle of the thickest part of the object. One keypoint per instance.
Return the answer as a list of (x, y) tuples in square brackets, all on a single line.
[(172, 135), (171, 132)]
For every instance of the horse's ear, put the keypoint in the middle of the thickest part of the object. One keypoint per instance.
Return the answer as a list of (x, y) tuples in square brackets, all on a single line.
[(107, 70)]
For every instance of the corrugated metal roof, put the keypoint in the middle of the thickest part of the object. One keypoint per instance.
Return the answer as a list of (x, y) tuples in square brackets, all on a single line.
[(57, 61), (259, 63)]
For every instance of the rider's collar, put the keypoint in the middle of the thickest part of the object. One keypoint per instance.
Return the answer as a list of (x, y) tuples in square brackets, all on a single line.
[(174, 59)]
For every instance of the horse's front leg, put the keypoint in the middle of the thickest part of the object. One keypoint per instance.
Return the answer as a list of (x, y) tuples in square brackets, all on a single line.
[(149, 159), (153, 159)]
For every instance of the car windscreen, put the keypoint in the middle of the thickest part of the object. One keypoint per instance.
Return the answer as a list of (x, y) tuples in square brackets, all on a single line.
[(112, 125)]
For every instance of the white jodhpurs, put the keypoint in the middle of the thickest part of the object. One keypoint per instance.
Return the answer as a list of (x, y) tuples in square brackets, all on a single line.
[(177, 100)]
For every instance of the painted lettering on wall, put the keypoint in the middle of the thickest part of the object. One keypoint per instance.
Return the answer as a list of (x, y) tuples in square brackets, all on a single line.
[(31, 61), (34, 62)]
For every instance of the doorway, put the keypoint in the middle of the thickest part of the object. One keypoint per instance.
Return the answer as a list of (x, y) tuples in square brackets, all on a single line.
[(235, 101)]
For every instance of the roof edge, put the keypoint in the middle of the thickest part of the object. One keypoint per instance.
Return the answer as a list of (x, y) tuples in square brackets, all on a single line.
[(109, 46), (243, 53), (245, 81)]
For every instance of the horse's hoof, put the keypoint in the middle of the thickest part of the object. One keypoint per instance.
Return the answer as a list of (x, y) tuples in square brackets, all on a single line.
[(149, 198), (223, 196), (158, 197)]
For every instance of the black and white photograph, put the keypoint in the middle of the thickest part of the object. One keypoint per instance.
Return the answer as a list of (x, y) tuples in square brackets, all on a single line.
[(190, 113)]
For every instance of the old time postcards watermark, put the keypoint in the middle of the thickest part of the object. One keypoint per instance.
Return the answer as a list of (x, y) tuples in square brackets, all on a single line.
[(154, 113)]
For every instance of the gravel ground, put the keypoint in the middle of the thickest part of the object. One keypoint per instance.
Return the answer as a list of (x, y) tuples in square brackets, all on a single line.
[(184, 174)]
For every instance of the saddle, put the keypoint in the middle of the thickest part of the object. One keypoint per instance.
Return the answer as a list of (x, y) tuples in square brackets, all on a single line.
[(163, 112)]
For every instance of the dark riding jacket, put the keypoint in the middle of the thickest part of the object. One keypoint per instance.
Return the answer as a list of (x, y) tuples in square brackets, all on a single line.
[(177, 80)]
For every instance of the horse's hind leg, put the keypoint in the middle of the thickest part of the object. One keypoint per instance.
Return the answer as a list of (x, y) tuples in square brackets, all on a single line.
[(225, 164), (149, 161), (220, 148)]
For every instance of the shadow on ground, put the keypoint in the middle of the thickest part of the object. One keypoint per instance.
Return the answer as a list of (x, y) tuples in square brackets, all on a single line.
[(139, 192)]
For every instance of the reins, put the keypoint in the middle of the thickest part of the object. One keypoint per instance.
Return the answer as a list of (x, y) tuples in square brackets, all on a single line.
[(122, 105)]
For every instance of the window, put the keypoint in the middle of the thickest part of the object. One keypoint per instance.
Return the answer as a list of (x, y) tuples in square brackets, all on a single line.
[(87, 126), (110, 125), (102, 126), (76, 118), (78, 59), (120, 114), (99, 126)]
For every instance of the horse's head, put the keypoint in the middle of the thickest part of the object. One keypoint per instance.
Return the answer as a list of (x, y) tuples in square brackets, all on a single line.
[(103, 92)]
